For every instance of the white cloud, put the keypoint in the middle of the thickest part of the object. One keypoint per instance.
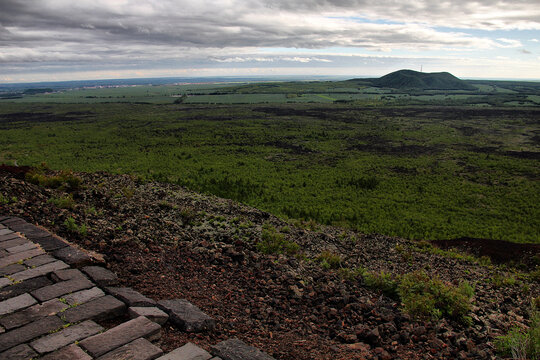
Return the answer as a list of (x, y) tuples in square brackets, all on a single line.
[(508, 43)]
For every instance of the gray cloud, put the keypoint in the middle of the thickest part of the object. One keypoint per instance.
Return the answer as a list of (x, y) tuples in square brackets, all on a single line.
[(142, 31)]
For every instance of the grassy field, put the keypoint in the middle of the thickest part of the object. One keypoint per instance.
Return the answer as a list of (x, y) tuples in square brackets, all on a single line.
[(359, 92), (413, 171)]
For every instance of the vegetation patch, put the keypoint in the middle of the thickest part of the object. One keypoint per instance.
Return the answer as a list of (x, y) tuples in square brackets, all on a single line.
[(273, 242), (329, 260), (522, 343), (429, 297), (73, 227), (65, 179)]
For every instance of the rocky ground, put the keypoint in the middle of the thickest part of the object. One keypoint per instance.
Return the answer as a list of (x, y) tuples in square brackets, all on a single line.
[(168, 242)]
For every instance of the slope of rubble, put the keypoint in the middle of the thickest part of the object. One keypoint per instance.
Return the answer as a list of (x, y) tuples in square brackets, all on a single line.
[(303, 301)]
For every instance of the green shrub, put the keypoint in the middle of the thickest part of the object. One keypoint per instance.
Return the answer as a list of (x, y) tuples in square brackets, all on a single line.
[(272, 242), (427, 297), (382, 281), (64, 179), (520, 343), (329, 260), (63, 202), (72, 226), (4, 200)]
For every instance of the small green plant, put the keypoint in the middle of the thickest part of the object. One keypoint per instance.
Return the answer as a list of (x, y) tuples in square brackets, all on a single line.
[(72, 226), (188, 215), (329, 260), (63, 202), (272, 242), (65, 179), (522, 343), (382, 281), (128, 192), (427, 297)]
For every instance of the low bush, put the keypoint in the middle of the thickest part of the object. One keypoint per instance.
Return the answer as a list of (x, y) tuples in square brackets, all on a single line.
[(65, 179), (272, 242), (329, 260), (63, 202), (72, 226), (382, 281), (427, 297), (522, 343)]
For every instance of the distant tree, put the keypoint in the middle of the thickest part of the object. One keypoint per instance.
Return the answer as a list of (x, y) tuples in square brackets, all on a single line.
[(180, 99)]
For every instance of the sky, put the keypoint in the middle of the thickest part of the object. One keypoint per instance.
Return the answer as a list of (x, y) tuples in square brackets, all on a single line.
[(57, 40)]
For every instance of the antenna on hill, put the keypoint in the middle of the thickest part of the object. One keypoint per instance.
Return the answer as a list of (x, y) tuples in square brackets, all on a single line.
[(420, 68)]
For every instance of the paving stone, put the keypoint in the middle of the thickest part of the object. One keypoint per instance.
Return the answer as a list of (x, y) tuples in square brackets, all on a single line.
[(3, 253), (39, 260), (187, 352), (23, 287), (24, 247), (65, 337), (61, 288), (100, 275), (51, 243), (130, 296), (152, 313), (14, 242), (72, 256), (140, 349), (5, 282), (103, 308), (33, 313), (71, 352), (11, 269), (83, 296), (235, 349), (39, 271), (5, 231), (186, 316), (13, 258), (29, 332), (16, 303), (30, 231), (21, 352), (67, 274), (9, 237), (122, 334), (12, 221)]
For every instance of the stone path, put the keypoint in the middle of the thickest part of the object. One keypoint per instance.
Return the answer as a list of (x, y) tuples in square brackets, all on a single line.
[(52, 298)]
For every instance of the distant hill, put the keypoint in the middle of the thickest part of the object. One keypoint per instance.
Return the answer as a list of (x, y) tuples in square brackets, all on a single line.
[(409, 79)]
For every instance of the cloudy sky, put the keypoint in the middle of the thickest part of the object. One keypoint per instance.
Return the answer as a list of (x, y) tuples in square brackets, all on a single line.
[(47, 40)]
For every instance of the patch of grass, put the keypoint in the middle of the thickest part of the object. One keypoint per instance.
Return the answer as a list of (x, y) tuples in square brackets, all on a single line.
[(72, 226), (65, 179), (273, 242), (382, 281), (329, 260), (5, 200), (500, 280), (63, 202), (188, 215), (522, 343), (429, 297)]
